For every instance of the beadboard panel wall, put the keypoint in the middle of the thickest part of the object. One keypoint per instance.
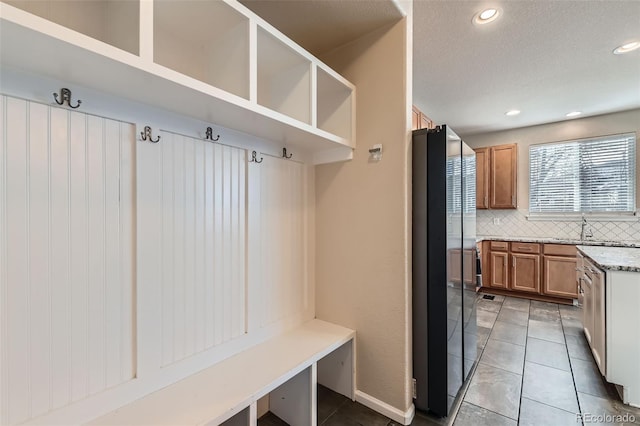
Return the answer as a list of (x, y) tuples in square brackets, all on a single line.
[(203, 281), (67, 256), (126, 265), (281, 260)]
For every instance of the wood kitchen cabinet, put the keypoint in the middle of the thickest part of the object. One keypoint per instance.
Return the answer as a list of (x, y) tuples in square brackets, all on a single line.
[(419, 120), (503, 168), (593, 321), (468, 268), (498, 265), (525, 272), (543, 271), (496, 177), (525, 267), (415, 118), (514, 266), (482, 178), (559, 266)]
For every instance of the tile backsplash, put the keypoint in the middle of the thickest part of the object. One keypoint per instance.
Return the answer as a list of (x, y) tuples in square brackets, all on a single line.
[(514, 223)]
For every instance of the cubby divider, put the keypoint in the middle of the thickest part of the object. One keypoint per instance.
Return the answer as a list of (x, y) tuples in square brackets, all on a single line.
[(215, 61), (335, 105), (114, 22), (206, 40), (284, 78)]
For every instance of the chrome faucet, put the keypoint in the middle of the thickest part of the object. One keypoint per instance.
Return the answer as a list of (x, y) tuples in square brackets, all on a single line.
[(586, 231)]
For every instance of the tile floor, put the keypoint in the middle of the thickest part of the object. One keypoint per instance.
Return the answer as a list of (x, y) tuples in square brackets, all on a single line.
[(337, 410), (535, 369)]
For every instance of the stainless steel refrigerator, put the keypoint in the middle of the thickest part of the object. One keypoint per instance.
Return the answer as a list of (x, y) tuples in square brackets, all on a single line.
[(444, 267)]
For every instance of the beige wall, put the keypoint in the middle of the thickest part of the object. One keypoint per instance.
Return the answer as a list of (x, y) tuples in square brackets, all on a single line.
[(362, 213), (622, 122)]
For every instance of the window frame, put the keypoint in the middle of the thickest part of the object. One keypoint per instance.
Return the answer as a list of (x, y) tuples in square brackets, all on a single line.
[(627, 215)]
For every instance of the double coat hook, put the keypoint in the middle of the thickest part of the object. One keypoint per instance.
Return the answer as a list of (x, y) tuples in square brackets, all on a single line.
[(209, 135), (254, 158), (146, 135), (65, 96), (284, 153)]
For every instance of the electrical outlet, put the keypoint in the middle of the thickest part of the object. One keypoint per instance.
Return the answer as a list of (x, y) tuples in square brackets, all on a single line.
[(496, 221)]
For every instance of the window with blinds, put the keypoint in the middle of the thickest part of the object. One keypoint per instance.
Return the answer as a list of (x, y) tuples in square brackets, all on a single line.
[(595, 175), (461, 184)]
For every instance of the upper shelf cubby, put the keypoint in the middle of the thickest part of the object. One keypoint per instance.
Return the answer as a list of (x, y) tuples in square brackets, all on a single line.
[(206, 40), (212, 60), (114, 22), (335, 104), (284, 78)]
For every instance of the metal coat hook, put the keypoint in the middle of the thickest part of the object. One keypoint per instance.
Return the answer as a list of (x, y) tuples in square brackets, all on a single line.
[(65, 96), (209, 135), (146, 135), (284, 153), (254, 158)]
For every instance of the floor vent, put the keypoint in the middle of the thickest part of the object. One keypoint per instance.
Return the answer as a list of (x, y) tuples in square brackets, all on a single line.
[(488, 297)]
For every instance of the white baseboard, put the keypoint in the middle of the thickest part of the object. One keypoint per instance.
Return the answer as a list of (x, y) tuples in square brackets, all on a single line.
[(402, 417)]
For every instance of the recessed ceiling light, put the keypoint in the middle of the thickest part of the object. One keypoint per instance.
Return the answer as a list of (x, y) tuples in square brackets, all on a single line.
[(573, 114), (626, 48), (512, 112), (486, 16)]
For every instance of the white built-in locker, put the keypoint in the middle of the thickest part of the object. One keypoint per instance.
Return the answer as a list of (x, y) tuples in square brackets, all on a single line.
[(201, 214), (121, 258), (67, 256)]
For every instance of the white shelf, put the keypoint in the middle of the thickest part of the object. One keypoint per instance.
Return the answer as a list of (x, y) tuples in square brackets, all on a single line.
[(284, 78), (114, 22), (212, 82), (247, 376), (335, 105), (189, 48)]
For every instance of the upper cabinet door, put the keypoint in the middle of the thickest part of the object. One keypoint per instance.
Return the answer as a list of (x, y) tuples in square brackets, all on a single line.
[(503, 164), (415, 118), (482, 178)]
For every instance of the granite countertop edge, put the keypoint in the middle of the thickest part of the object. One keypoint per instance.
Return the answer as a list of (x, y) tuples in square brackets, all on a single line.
[(548, 240), (625, 259), (607, 255)]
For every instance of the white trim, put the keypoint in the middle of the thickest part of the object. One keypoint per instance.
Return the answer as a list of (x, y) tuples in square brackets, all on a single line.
[(402, 417)]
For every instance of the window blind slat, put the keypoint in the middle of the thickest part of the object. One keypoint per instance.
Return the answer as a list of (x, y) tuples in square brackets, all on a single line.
[(589, 175)]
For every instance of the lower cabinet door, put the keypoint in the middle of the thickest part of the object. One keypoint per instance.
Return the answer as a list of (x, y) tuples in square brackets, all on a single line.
[(499, 262), (525, 272), (560, 277), (598, 337), (587, 308)]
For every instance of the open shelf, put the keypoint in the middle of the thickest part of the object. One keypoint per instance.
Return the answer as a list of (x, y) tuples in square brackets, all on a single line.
[(184, 75), (240, 419), (334, 105), (114, 22), (206, 40), (284, 78)]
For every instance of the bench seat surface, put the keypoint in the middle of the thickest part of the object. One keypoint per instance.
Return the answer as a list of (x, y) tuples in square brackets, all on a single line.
[(226, 388)]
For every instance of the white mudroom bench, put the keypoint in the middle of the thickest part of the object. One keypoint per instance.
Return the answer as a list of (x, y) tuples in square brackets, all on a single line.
[(286, 367)]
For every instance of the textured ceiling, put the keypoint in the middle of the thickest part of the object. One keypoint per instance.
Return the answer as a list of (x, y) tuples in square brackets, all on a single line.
[(322, 25), (543, 57)]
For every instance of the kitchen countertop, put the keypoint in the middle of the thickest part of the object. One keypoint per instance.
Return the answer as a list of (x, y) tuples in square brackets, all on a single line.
[(559, 241), (613, 258)]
